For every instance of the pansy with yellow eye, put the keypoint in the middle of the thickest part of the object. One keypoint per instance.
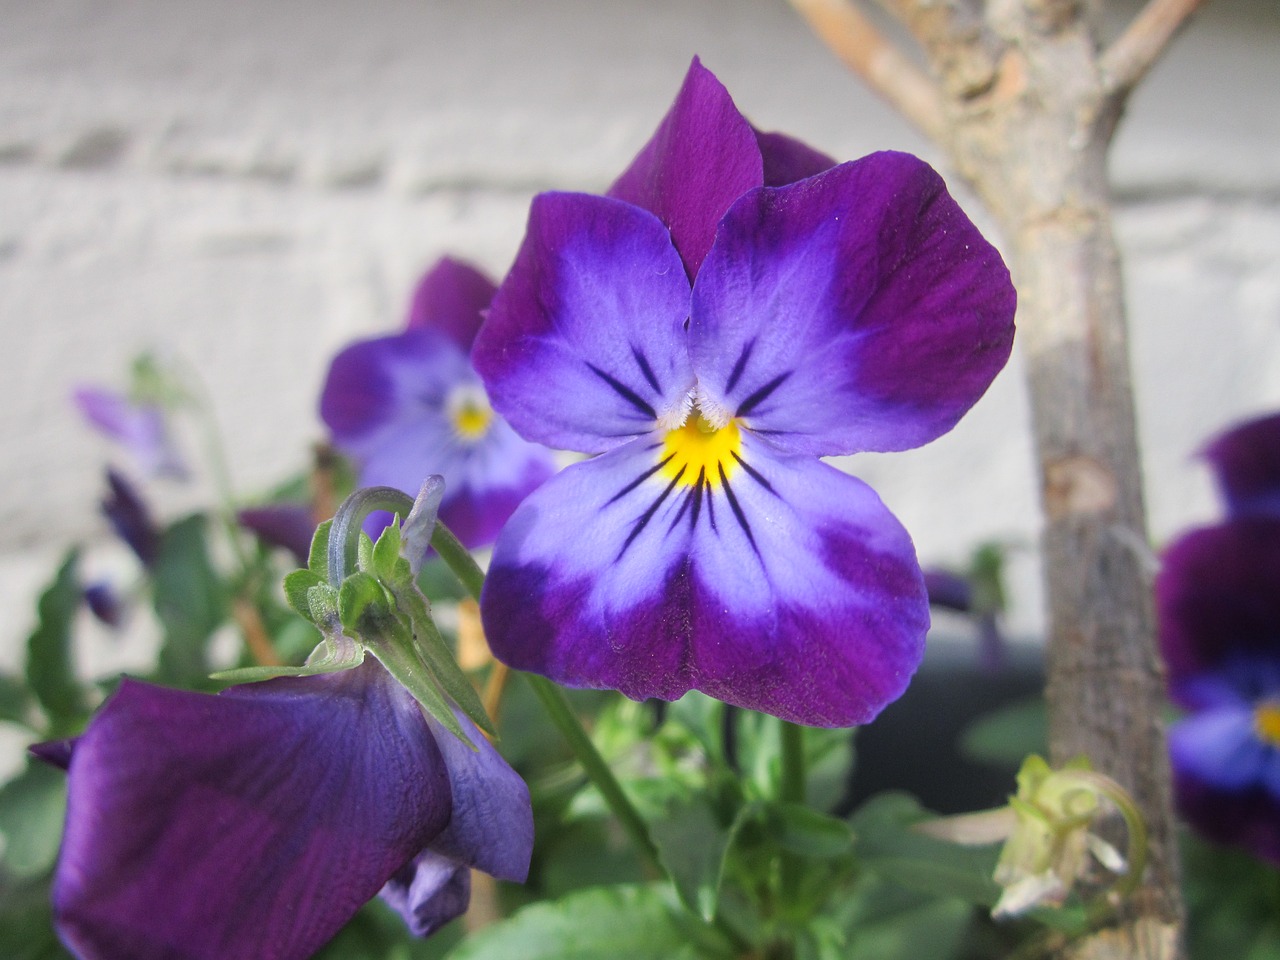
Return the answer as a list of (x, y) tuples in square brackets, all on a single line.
[(409, 405)]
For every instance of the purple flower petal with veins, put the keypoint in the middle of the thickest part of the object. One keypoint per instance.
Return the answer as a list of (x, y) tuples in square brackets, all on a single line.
[(710, 329), (138, 427), (255, 823), (409, 405)]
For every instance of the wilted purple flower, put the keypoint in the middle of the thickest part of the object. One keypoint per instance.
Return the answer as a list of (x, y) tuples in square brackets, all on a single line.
[(1246, 464), (129, 516), (710, 329), (255, 823), (409, 405), (139, 427), (287, 525), (1218, 600)]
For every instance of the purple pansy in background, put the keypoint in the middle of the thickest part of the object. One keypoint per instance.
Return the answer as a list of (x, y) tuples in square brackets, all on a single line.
[(130, 517), (254, 824), (409, 405), (287, 525), (140, 428), (1218, 601), (710, 329)]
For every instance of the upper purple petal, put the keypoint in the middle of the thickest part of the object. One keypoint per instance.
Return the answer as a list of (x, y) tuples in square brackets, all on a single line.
[(787, 159), (584, 345), (702, 157), (1246, 461), (248, 825), (451, 298), (1218, 600), (785, 586), (859, 309)]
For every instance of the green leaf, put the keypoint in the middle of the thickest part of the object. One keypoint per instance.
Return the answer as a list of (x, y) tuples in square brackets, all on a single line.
[(15, 700), (318, 558), (1004, 737), (692, 844), (297, 585), (333, 655), (189, 600), (386, 552), (887, 845), (50, 672), (892, 923), (26, 923), (803, 830), (32, 808), (602, 923)]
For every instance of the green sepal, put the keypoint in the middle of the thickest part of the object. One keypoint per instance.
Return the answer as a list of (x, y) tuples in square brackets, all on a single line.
[(322, 606), (318, 558), (332, 655), (297, 586), (386, 552)]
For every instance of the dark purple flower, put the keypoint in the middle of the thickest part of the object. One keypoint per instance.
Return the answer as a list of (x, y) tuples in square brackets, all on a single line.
[(1246, 463), (253, 824), (104, 603), (409, 405), (287, 525), (124, 507), (710, 335), (1218, 600), (140, 428)]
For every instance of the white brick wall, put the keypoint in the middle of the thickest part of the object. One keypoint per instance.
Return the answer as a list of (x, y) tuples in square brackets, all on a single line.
[(249, 184)]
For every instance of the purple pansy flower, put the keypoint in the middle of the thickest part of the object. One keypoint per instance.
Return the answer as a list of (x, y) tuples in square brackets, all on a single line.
[(253, 824), (1218, 600), (409, 405), (1246, 465), (287, 525), (710, 329), (130, 517), (140, 428)]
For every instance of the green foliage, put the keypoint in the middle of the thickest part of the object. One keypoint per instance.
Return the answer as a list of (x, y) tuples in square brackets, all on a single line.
[(50, 670), (26, 924), (190, 600), (1005, 736), (32, 808)]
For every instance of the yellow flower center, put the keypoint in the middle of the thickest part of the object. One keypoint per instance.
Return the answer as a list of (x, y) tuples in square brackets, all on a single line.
[(698, 452), (469, 413), (1266, 722)]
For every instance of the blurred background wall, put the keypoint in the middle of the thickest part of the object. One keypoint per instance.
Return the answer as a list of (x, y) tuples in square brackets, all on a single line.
[(248, 184)]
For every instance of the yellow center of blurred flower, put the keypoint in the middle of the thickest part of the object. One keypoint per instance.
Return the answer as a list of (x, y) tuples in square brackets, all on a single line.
[(697, 452), (1266, 722), (469, 413)]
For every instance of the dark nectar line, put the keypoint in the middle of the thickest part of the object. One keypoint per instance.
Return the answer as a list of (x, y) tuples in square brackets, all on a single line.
[(647, 371), (737, 511), (761, 395), (740, 365), (697, 497), (625, 392), (638, 480), (755, 474), (648, 514)]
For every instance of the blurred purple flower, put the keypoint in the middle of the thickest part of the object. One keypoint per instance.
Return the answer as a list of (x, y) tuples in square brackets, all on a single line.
[(255, 823), (141, 428), (104, 603), (287, 525), (1218, 601), (709, 330), (410, 405), (129, 516), (1246, 464)]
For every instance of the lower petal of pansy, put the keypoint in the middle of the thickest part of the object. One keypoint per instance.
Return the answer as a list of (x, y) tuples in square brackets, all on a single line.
[(242, 826), (774, 583), (1248, 818)]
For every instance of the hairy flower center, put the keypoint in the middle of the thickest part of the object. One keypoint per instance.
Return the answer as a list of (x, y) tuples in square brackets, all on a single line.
[(469, 412), (1266, 722), (698, 452)]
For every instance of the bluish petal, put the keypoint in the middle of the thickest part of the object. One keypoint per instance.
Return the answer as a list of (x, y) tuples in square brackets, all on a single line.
[(1219, 747), (785, 586), (373, 384), (856, 310), (787, 159), (492, 825), (702, 157), (130, 517), (1216, 598), (428, 892), (287, 525), (56, 753), (139, 427), (450, 299), (1249, 818), (104, 602), (949, 590), (1246, 461), (251, 824), (584, 345)]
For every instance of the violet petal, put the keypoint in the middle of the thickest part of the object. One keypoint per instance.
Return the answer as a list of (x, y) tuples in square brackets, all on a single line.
[(451, 298), (787, 159), (287, 525), (428, 892), (129, 516), (1246, 462)]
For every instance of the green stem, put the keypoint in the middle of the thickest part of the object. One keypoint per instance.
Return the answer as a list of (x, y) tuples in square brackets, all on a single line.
[(791, 789), (553, 700), (344, 535)]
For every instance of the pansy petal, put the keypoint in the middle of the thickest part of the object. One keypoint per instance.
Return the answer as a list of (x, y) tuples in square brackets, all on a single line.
[(1247, 818), (1219, 747), (859, 309), (584, 345), (450, 298), (1246, 461), (287, 525), (139, 427), (1216, 598), (130, 517), (246, 825), (492, 825), (428, 892), (374, 383), (784, 586), (787, 159), (702, 157)]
